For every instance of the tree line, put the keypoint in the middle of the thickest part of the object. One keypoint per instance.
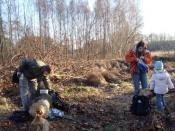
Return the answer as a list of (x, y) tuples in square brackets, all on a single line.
[(163, 45), (68, 28)]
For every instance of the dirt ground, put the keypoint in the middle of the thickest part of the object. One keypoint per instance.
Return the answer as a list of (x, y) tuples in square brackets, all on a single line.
[(103, 108)]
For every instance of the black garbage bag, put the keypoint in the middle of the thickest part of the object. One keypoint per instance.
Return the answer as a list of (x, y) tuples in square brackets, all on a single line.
[(20, 116), (58, 102)]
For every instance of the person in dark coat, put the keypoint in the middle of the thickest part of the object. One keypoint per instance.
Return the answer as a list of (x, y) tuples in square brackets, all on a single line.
[(28, 70)]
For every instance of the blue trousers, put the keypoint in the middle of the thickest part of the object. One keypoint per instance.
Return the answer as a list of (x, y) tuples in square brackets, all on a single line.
[(137, 79), (160, 102)]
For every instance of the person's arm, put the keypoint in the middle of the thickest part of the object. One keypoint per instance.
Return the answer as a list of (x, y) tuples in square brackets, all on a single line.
[(43, 82), (170, 83), (131, 57), (46, 83), (147, 57)]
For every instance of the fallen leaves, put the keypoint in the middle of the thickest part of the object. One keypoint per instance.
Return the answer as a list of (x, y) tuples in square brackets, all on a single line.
[(91, 108)]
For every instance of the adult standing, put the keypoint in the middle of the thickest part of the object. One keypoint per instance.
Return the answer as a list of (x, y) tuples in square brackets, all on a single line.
[(139, 58)]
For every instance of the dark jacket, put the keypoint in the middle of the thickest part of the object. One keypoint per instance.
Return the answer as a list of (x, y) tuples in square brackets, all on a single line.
[(32, 69)]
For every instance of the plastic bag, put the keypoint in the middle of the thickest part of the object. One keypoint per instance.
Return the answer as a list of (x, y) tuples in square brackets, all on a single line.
[(55, 113)]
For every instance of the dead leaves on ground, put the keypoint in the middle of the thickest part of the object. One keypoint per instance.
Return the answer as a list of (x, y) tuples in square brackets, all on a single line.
[(93, 108)]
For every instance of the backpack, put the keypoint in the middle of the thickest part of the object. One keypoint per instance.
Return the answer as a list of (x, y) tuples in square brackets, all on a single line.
[(20, 116), (140, 106)]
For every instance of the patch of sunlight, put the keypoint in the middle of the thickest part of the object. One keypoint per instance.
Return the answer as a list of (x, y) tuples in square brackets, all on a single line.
[(4, 107), (80, 91), (126, 85), (173, 75)]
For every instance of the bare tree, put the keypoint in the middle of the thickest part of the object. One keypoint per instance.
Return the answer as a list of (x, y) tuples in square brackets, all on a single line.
[(103, 32)]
